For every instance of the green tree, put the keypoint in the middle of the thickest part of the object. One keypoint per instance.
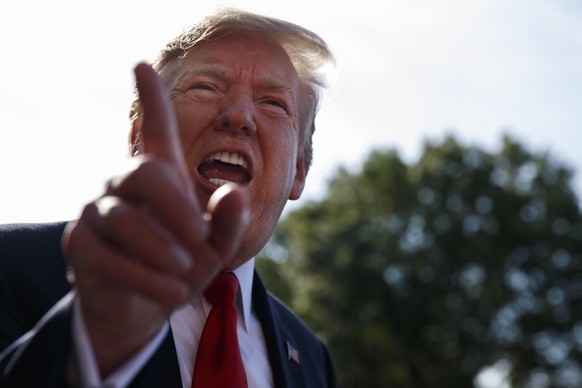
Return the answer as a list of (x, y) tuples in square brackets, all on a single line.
[(422, 275)]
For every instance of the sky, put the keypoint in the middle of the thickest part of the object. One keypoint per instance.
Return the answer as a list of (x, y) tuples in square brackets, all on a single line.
[(411, 71)]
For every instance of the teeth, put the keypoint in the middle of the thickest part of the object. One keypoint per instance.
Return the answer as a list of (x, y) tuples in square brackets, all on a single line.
[(218, 182), (232, 158)]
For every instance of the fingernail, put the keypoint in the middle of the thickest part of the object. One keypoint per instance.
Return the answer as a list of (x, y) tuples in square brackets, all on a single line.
[(183, 258), (245, 216)]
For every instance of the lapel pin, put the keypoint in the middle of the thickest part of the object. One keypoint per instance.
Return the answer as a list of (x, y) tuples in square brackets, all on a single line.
[(292, 353)]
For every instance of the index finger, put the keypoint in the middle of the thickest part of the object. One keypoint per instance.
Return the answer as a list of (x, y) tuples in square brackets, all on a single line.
[(159, 128)]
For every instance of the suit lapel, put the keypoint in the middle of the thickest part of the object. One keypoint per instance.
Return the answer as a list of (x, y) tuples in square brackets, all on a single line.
[(162, 370), (281, 347)]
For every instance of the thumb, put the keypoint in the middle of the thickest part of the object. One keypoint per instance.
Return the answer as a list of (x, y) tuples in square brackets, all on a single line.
[(229, 216)]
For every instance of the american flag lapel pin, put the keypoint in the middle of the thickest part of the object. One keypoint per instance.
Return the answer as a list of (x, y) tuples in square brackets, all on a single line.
[(292, 353)]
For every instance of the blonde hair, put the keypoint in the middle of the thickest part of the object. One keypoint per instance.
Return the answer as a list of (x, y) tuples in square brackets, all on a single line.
[(308, 53)]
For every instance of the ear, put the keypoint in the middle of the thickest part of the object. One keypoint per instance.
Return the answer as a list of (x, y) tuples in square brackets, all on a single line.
[(135, 140), (299, 182)]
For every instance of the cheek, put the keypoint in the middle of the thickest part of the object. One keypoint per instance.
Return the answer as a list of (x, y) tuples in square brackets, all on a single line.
[(284, 162), (280, 145), (192, 120)]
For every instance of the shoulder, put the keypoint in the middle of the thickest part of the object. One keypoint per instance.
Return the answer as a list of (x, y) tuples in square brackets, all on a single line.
[(285, 314), (293, 325), (32, 269), (22, 232), (292, 322), (266, 301), (304, 346), (31, 250), (35, 241)]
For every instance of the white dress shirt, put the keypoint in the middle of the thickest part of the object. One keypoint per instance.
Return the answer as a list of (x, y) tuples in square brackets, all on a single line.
[(187, 323)]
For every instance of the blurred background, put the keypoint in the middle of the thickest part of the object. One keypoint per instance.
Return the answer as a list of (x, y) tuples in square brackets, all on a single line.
[(452, 129), (406, 72)]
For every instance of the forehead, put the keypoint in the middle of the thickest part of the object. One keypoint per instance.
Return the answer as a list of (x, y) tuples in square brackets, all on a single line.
[(237, 54)]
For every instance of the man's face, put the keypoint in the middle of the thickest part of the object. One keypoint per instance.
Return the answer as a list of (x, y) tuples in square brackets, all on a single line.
[(237, 102)]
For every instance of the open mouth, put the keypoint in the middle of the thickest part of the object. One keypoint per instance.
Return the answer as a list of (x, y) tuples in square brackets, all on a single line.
[(224, 167)]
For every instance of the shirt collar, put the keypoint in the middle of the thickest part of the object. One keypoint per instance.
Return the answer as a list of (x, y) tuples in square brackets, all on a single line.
[(245, 274)]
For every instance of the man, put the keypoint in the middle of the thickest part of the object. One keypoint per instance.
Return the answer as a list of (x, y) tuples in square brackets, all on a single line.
[(221, 134)]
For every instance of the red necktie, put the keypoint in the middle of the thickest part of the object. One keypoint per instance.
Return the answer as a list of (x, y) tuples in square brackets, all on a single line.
[(218, 362)]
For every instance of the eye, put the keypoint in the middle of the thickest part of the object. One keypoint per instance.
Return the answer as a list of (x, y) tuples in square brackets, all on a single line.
[(275, 103), (203, 86), (276, 106), (203, 91)]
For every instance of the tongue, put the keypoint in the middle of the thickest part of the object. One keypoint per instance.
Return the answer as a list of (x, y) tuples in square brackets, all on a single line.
[(224, 171)]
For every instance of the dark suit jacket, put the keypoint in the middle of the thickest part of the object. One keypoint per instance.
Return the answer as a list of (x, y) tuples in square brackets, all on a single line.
[(35, 302)]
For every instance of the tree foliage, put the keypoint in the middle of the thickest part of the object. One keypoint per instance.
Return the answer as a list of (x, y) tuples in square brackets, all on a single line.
[(424, 274)]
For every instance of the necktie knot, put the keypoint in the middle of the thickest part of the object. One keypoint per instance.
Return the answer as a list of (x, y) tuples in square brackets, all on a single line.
[(223, 289)]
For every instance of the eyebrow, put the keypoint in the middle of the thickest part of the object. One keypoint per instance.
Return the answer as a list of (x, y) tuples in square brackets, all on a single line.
[(267, 81), (273, 84), (211, 70)]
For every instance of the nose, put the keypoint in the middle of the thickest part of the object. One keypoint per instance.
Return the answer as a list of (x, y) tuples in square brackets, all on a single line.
[(236, 115)]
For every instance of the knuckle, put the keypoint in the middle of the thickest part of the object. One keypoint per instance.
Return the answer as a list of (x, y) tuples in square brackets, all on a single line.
[(120, 218), (112, 215)]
